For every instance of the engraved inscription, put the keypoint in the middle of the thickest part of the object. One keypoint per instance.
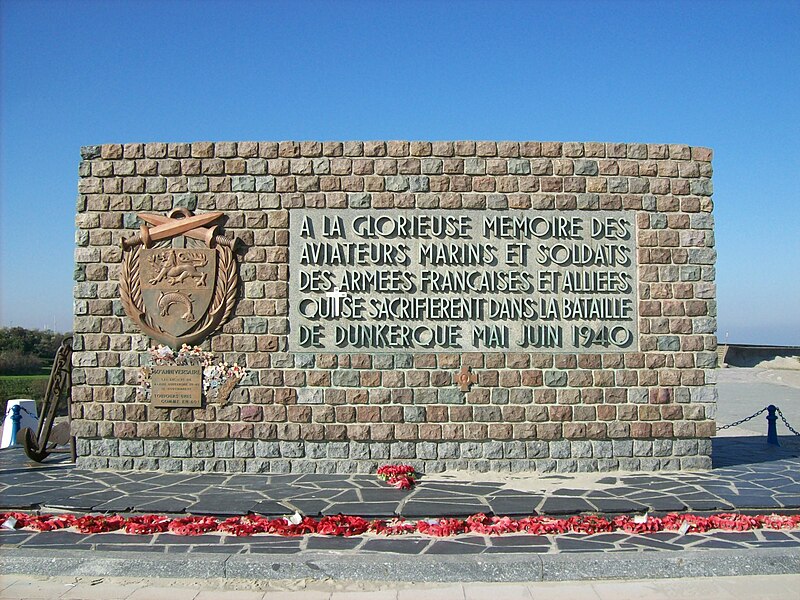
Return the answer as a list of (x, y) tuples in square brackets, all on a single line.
[(453, 281), (176, 386)]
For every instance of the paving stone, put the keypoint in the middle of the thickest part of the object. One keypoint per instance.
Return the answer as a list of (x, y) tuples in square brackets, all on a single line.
[(514, 505), (221, 549), (82, 502), (482, 488), (183, 540), (413, 509), (649, 542), (520, 540), (384, 494), (225, 508), (737, 536), (659, 503), (127, 547), (753, 501), (517, 550), (775, 535), (122, 504), (707, 505), (269, 508), (165, 505), (332, 543), (396, 546), (9, 537), (557, 505), (566, 544), (368, 510), (113, 538), (715, 544), (273, 550), (311, 508), (448, 547), (616, 505)]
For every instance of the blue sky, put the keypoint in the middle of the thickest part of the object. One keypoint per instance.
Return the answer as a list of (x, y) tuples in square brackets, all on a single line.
[(718, 74)]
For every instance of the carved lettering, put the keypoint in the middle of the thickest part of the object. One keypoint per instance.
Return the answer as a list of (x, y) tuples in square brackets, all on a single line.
[(445, 281)]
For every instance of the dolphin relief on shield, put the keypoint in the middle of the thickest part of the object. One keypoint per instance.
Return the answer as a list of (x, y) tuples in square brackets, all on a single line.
[(179, 277)]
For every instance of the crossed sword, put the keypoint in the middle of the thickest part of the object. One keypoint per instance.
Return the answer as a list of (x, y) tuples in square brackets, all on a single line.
[(187, 224)]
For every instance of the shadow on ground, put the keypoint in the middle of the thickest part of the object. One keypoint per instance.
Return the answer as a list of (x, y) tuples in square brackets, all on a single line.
[(751, 449)]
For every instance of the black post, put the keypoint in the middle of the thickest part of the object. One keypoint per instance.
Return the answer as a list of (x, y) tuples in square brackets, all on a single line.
[(772, 430)]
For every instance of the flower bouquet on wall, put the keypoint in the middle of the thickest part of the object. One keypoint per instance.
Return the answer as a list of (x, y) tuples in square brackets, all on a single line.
[(219, 376)]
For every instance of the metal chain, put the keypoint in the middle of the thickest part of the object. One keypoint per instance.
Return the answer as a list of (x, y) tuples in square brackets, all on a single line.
[(22, 409), (785, 422), (740, 421)]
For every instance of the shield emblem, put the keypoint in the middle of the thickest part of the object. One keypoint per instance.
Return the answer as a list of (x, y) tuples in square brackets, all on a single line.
[(177, 286)]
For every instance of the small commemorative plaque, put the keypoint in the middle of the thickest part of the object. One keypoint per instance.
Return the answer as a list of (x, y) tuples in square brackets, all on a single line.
[(176, 386)]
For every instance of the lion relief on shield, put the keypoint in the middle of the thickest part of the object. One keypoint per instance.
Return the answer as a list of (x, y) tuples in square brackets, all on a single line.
[(179, 278)]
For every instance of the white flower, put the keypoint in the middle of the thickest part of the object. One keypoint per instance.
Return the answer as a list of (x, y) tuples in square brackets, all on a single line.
[(295, 519)]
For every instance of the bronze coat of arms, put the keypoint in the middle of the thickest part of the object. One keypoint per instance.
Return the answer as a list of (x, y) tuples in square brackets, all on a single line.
[(179, 278)]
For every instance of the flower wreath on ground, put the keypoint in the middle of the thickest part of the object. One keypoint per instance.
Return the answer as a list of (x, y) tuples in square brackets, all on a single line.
[(349, 525), (400, 476), (219, 377)]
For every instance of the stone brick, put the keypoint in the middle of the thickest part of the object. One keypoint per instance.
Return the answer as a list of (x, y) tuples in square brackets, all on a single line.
[(401, 398)]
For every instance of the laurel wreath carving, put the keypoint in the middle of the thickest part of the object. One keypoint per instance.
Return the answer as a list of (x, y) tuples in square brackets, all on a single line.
[(220, 310)]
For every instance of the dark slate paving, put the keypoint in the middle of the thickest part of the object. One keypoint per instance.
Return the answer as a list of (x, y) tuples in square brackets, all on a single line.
[(127, 547), (81, 502), (368, 510), (164, 505), (382, 495), (415, 509), (121, 504), (652, 543), (617, 505), (565, 505), (520, 540), (520, 550), (662, 503), (332, 543), (173, 540), (227, 549), (746, 476), (584, 544), (717, 545), (446, 547), (270, 508), (115, 537), (14, 537), (218, 505), (514, 506), (396, 545), (55, 538), (312, 508)]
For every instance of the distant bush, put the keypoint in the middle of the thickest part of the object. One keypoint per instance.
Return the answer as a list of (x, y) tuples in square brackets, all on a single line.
[(27, 351), (36, 342), (14, 362)]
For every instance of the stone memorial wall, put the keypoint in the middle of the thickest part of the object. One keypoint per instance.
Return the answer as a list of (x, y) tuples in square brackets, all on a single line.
[(505, 306)]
